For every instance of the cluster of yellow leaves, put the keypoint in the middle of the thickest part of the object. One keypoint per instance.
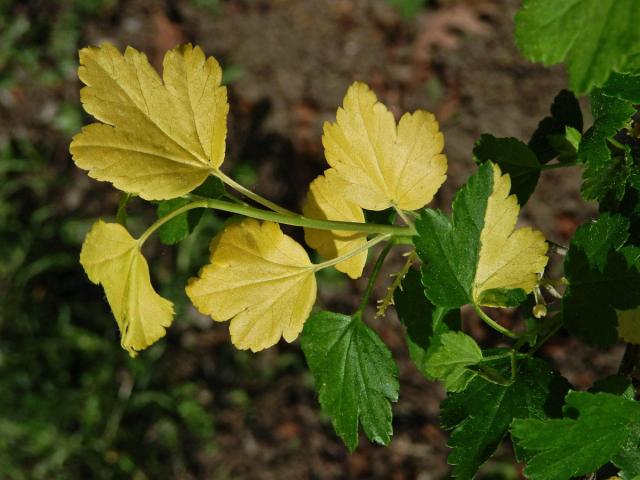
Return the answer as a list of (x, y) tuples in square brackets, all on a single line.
[(161, 137)]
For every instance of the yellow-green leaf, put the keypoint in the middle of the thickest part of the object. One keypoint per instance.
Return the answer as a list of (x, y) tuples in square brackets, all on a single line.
[(385, 165), (260, 279), (478, 256), (111, 257), (509, 259), (326, 200), (159, 138), (629, 325)]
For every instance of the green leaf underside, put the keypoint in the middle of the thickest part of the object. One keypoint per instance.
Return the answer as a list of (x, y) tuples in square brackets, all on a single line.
[(179, 227), (450, 249), (481, 414), (593, 37), (514, 158), (602, 278), (551, 131), (610, 116), (595, 428), (424, 322), (354, 373)]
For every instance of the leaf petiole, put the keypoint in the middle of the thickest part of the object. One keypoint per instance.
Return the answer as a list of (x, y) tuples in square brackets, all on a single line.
[(493, 324), (250, 194), (334, 261)]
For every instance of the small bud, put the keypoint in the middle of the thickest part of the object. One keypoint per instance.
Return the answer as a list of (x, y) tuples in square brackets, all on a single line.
[(540, 310)]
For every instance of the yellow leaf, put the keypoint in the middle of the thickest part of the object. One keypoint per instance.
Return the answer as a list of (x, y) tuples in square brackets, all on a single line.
[(261, 280), (326, 201), (385, 165), (111, 257), (629, 325), (157, 139), (509, 259)]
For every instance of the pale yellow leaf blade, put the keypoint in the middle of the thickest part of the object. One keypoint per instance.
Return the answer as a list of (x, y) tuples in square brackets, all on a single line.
[(629, 325), (326, 200), (386, 166), (261, 280), (509, 259), (158, 139), (111, 257)]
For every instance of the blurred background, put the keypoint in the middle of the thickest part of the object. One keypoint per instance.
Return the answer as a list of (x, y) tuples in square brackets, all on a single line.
[(72, 403)]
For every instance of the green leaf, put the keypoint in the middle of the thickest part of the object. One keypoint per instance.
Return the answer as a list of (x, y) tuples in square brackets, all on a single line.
[(608, 184), (600, 279), (514, 158), (623, 86), (476, 256), (593, 37), (179, 227), (354, 373), (448, 361), (555, 133), (423, 321), (610, 116), (481, 414), (594, 429), (628, 458)]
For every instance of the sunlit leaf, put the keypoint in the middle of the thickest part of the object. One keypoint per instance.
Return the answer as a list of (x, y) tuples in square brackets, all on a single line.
[(260, 279), (326, 201), (111, 257), (385, 165), (159, 138)]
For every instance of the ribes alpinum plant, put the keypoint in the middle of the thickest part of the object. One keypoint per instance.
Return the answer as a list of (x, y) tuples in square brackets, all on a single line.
[(163, 140)]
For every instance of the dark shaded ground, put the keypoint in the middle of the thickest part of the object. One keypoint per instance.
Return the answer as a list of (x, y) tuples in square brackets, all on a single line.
[(193, 407)]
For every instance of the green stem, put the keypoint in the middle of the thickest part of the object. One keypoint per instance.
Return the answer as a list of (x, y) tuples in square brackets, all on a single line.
[(373, 277), (493, 324), (615, 143), (161, 221), (121, 215), (366, 246), (249, 194), (297, 220)]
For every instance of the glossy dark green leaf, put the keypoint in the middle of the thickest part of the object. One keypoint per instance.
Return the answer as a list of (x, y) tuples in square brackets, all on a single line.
[(550, 138), (481, 415), (601, 279), (594, 430), (514, 158), (623, 86)]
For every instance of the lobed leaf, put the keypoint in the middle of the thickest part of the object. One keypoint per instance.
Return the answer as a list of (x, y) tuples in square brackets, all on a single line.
[(355, 375), (158, 138), (385, 165), (594, 430), (481, 414), (477, 256), (260, 279), (112, 258)]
